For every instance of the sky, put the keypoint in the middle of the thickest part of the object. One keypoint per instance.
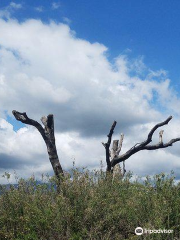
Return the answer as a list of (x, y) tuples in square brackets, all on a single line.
[(89, 63)]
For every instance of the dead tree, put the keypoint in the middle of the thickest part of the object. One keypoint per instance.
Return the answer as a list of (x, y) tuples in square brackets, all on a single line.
[(115, 151), (47, 133), (113, 159)]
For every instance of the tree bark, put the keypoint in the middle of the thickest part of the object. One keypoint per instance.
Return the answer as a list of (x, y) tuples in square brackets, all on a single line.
[(47, 133), (140, 146), (116, 149), (107, 146)]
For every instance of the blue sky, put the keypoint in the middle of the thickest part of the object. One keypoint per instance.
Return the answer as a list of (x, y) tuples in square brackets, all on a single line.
[(89, 63), (147, 28)]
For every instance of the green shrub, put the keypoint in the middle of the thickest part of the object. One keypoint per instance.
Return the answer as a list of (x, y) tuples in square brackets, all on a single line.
[(90, 206)]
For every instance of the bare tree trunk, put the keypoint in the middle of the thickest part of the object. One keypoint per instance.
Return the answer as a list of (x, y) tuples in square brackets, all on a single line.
[(114, 154), (51, 144), (116, 149), (107, 146), (47, 134)]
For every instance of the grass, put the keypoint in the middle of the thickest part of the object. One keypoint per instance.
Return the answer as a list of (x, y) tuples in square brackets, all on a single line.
[(90, 206)]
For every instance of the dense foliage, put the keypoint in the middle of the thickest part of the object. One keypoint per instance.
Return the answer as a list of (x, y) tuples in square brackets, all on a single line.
[(90, 206)]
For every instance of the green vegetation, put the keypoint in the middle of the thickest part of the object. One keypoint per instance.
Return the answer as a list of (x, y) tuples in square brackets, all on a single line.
[(90, 206)]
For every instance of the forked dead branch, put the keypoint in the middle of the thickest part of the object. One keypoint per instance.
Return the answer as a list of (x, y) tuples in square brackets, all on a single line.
[(113, 159), (47, 133)]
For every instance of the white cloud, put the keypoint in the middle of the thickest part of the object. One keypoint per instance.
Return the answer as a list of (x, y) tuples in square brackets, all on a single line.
[(39, 9), (25, 152), (45, 68), (15, 5), (7, 11), (67, 20), (55, 5)]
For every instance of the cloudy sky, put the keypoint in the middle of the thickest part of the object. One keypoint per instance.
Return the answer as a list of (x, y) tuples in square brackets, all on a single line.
[(89, 63)]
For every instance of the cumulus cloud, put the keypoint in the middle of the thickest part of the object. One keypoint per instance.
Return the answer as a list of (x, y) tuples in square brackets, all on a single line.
[(25, 152), (46, 68), (64, 74)]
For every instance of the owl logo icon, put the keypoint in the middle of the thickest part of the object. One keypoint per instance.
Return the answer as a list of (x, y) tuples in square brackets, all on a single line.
[(138, 231)]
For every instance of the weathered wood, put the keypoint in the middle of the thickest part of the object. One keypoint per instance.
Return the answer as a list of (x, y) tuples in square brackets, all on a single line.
[(120, 143), (144, 145), (160, 136), (107, 146), (47, 134), (116, 149), (117, 171), (116, 158)]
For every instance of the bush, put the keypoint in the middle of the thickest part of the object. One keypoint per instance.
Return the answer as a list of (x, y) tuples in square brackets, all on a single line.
[(90, 206)]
